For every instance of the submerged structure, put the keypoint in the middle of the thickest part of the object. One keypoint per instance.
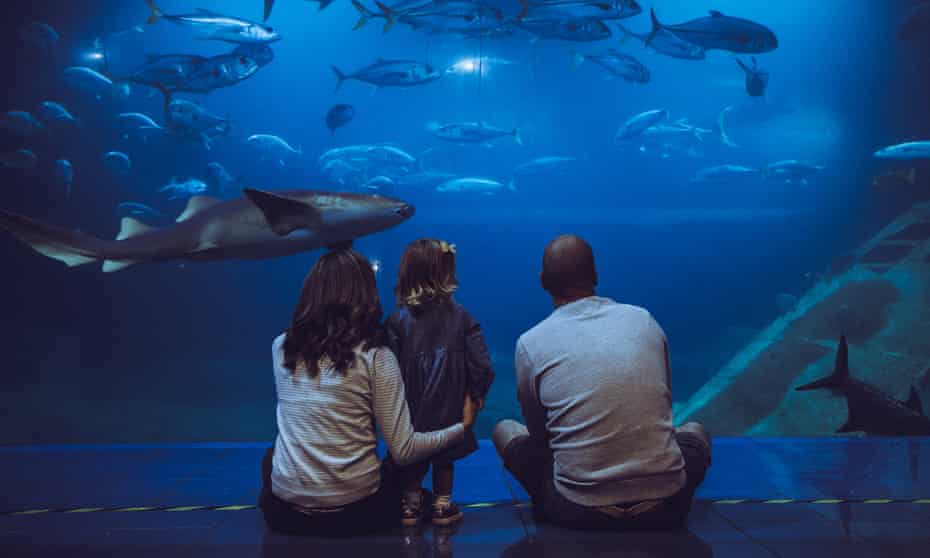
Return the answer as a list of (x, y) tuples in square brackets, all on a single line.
[(878, 299)]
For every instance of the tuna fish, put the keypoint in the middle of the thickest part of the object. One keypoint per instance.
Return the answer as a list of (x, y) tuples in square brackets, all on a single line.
[(617, 64), (22, 123), (19, 159), (117, 162), (791, 171), (477, 185), (665, 42), (725, 174), (273, 147), (638, 124), (92, 82), (217, 27), (54, 115), (391, 73), (905, 151), (720, 32), (182, 190), (576, 30), (339, 116), (260, 53), (40, 35), (471, 132)]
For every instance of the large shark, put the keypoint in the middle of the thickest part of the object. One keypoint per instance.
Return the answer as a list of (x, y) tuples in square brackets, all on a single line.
[(258, 226), (870, 410)]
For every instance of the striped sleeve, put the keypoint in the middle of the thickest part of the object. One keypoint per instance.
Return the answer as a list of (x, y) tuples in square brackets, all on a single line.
[(393, 416)]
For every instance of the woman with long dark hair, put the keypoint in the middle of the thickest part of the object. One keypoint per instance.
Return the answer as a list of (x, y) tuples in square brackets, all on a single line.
[(335, 379)]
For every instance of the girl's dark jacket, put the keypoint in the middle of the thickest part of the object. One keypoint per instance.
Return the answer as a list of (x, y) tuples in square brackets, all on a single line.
[(442, 357)]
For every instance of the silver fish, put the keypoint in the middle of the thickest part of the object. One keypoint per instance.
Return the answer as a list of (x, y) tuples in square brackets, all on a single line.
[(273, 147), (471, 132), (391, 73), (117, 162), (638, 124), (19, 159), (217, 27), (665, 42), (791, 171), (617, 64), (479, 185), (22, 123)]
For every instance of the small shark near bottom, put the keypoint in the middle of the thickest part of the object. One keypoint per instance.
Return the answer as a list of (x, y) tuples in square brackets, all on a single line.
[(260, 225), (870, 410)]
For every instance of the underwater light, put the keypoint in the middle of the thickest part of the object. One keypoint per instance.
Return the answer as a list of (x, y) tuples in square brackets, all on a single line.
[(93, 56), (464, 66), (376, 265)]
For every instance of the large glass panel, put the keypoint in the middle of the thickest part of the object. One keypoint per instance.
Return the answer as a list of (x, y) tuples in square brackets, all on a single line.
[(727, 183)]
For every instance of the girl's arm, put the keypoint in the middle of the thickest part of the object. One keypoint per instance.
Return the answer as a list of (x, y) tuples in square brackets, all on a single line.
[(477, 360), (393, 416)]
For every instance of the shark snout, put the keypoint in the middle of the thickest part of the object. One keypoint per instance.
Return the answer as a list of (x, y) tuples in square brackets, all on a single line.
[(406, 211)]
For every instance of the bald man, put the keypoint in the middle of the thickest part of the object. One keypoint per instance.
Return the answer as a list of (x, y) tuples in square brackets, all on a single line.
[(598, 450)]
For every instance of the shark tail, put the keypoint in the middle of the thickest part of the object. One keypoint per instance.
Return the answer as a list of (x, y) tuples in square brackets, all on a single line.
[(840, 371), (269, 5), (69, 247), (511, 185), (524, 9), (656, 27), (516, 136), (364, 15), (340, 77), (156, 12), (388, 15)]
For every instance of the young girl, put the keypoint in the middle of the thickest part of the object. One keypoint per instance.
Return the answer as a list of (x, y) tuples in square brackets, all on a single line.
[(442, 358)]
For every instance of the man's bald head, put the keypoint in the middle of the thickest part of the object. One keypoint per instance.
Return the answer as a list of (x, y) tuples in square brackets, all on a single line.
[(568, 268)]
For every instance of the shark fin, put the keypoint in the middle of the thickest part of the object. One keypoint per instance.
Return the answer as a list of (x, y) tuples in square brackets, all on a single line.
[(852, 423), (840, 372), (913, 402), (195, 205), (69, 247), (130, 227), (284, 215)]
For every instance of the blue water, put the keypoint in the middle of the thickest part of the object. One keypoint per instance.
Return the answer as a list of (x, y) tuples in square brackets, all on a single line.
[(169, 352)]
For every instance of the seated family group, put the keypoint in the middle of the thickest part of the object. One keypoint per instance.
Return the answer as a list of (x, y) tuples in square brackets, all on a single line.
[(598, 449)]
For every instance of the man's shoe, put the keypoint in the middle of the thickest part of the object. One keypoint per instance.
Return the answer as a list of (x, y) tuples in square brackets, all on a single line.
[(447, 515)]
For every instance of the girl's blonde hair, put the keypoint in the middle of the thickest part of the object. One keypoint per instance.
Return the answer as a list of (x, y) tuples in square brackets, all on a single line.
[(426, 274)]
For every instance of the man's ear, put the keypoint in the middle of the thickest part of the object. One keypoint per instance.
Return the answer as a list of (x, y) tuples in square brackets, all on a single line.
[(542, 280), (595, 278)]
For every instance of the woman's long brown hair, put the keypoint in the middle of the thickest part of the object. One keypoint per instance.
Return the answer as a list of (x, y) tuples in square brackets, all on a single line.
[(426, 274), (338, 309)]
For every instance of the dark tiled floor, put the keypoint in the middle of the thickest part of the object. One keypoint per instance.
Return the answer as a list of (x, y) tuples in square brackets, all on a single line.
[(70, 477)]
